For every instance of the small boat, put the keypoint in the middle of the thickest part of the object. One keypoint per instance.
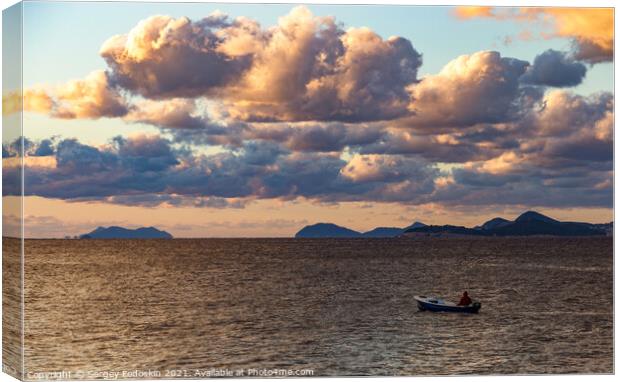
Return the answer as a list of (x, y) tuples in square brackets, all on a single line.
[(435, 304)]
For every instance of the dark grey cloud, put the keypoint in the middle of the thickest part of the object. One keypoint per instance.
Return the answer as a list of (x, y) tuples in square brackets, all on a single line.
[(6, 153), (554, 68), (147, 153), (581, 147), (13, 148), (428, 147), (44, 148), (331, 137), (573, 168), (528, 192), (41, 148), (149, 170)]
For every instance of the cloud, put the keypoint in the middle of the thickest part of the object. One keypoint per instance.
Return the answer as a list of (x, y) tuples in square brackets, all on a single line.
[(317, 71), (150, 200), (148, 170), (564, 159), (90, 97), (145, 153), (448, 148), (479, 88), (331, 137), (530, 180), (468, 12), (553, 68), (44, 148), (590, 29), (263, 153), (380, 168), (308, 109), (30, 148), (87, 98), (176, 113), (36, 100), (564, 113), (6, 153), (164, 57), (305, 68)]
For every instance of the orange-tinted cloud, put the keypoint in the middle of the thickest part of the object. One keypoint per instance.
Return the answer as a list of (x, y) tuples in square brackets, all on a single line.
[(592, 29), (471, 89), (468, 12), (172, 113), (90, 97), (38, 101), (306, 67), (11, 103), (372, 168), (35, 100)]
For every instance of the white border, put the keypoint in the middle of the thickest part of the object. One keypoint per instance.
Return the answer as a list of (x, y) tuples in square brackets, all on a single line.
[(538, 3)]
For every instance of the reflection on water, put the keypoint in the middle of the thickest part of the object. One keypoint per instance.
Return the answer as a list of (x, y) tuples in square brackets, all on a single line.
[(339, 307)]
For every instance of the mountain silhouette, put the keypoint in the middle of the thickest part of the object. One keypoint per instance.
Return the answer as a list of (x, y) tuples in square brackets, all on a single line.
[(383, 232), (534, 216), (528, 223), (415, 225), (327, 230), (495, 223), (114, 232)]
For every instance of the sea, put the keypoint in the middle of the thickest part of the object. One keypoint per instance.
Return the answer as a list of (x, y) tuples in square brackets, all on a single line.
[(196, 308)]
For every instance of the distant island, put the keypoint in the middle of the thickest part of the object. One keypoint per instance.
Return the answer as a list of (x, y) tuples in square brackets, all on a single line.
[(527, 224), (328, 230), (126, 233)]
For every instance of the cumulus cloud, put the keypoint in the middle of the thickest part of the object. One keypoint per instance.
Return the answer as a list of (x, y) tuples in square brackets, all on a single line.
[(305, 68), (590, 29), (564, 158), (6, 153), (148, 170), (480, 143), (308, 109), (312, 69), (164, 57), (87, 98), (479, 88), (174, 113), (28, 147), (91, 97), (564, 113), (379, 168), (553, 68), (44, 148), (35, 100), (330, 137)]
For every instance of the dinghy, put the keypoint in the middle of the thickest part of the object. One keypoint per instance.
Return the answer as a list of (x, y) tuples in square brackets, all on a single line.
[(436, 304)]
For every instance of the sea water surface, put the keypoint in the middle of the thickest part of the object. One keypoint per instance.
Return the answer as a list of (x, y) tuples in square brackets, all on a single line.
[(337, 307)]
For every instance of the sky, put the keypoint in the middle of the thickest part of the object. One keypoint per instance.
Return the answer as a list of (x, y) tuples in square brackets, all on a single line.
[(241, 120)]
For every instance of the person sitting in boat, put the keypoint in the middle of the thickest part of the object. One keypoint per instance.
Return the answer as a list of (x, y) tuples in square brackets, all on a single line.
[(465, 300)]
